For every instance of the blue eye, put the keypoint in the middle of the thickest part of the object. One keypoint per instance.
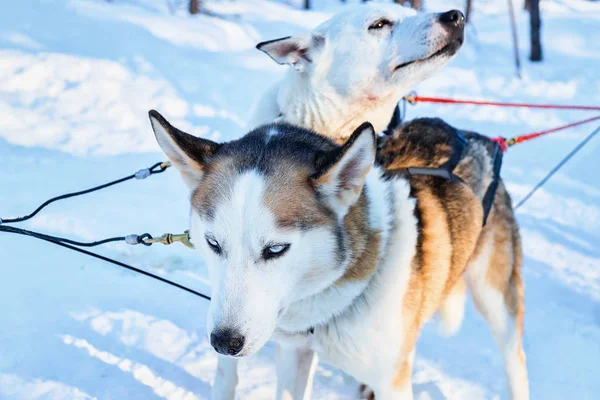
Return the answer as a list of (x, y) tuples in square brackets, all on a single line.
[(214, 245), (275, 250)]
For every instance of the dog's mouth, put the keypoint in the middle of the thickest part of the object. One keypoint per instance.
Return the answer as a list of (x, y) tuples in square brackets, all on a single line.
[(449, 49)]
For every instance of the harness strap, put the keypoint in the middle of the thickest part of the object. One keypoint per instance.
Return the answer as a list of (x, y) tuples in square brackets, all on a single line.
[(490, 193), (440, 172), (446, 171)]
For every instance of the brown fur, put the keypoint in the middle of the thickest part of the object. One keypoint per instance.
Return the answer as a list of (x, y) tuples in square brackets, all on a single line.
[(447, 237), (450, 235), (298, 207), (506, 252), (364, 243)]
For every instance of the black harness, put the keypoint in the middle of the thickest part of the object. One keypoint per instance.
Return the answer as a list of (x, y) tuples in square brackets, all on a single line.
[(490, 193), (446, 171)]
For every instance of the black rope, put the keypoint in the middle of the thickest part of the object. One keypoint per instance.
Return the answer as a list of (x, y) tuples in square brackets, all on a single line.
[(11, 229), (151, 171), (71, 244), (49, 239), (557, 167)]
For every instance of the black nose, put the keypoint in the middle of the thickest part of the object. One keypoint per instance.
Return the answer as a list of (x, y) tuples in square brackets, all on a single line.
[(452, 18), (227, 341)]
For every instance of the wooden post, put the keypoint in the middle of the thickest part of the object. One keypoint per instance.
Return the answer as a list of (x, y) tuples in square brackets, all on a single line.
[(468, 11), (194, 6), (535, 23)]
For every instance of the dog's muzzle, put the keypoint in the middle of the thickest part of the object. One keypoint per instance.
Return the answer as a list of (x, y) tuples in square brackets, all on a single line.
[(227, 341), (454, 23)]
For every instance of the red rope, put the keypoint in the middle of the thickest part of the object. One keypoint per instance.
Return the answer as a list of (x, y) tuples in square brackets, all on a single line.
[(506, 143), (423, 99)]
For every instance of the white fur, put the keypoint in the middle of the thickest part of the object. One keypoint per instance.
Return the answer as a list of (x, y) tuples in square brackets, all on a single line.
[(348, 75), (249, 296), (364, 340), (245, 295), (490, 302), (296, 367), (452, 310), (226, 379)]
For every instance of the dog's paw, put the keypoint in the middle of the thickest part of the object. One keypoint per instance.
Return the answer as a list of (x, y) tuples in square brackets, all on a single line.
[(366, 393)]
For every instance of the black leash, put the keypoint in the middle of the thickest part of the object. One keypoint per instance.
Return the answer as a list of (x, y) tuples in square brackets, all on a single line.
[(141, 174), (49, 239), (145, 239), (139, 239)]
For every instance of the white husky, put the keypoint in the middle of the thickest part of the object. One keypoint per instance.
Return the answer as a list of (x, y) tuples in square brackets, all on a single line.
[(356, 66)]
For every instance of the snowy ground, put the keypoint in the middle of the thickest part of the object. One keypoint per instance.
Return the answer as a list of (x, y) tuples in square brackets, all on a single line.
[(76, 80)]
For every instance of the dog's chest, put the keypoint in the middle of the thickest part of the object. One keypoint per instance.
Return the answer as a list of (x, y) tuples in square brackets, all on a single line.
[(366, 341)]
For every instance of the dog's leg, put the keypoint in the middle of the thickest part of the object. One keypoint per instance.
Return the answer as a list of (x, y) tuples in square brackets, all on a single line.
[(405, 393), (494, 278), (400, 387), (452, 310), (295, 370), (226, 379)]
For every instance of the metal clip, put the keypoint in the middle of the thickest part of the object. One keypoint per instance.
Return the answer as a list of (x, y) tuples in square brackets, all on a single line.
[(169, 238), (411, 98)]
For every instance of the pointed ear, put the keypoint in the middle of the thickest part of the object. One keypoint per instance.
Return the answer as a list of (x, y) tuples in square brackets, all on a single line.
[(342, 172), (188, 153), (294, 51)]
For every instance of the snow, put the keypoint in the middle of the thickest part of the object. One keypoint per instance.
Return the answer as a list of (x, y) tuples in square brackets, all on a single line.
[(77, 78)]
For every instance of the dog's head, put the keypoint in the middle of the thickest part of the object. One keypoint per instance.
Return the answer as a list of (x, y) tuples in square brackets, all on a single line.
[(266, 214), (373, 50)]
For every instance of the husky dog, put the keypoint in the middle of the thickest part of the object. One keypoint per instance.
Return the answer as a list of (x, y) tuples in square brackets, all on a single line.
[(356, 66), (313, 244)]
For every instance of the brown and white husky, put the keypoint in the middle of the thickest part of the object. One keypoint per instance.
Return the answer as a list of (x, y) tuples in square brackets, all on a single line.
[(320, 248)]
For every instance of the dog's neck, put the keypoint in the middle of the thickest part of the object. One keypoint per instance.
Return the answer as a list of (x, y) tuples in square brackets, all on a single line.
[(368, 229), (316, 105)]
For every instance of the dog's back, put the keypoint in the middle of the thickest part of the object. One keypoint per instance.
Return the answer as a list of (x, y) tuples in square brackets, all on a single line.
[(493, 269)]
